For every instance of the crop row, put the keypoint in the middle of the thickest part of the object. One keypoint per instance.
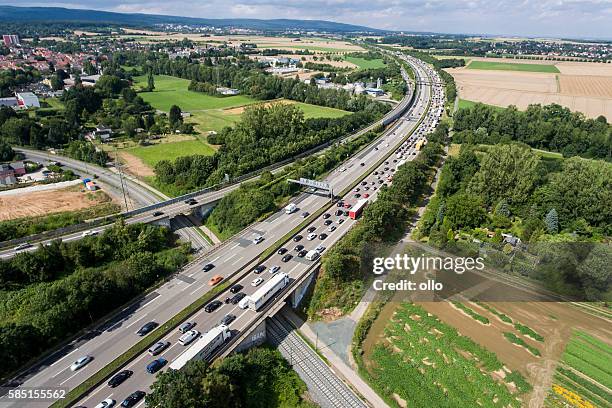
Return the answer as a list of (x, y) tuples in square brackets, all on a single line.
[(514, 339), (504, 318), (472, 313)]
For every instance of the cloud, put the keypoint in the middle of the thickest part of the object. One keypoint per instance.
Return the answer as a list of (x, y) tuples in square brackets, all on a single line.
[(554, 18)]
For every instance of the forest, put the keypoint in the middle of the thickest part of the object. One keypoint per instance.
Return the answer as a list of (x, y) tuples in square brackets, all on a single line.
[(265, 135), (550, 204), (259, 378), (50, 294), (551, 127)]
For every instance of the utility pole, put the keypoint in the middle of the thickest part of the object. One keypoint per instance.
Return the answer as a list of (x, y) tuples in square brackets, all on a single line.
[(121, 179)]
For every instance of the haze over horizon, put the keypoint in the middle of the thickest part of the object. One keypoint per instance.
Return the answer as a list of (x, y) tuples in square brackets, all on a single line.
[(545, 18)]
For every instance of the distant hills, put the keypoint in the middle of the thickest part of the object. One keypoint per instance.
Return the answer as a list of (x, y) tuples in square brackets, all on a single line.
[(58, 14)]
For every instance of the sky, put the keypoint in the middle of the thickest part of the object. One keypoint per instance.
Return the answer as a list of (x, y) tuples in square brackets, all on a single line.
[(546, 18)]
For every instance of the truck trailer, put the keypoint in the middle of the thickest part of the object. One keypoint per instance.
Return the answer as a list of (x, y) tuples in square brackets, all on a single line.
[(267, 291), (358, 208), (203, 347)]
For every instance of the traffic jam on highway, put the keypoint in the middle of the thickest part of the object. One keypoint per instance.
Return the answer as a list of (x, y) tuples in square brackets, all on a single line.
[(238, 256), (224, 318)]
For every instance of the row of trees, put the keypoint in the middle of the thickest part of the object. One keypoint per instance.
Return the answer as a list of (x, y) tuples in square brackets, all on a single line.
[(265, 135), (551, 127), (50, 294), (11, 78), (260, 378)]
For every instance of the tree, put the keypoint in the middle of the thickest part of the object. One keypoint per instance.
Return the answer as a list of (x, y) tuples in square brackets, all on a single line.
[(502, 208), (6, 152), (150, 81), (464, 211), (552, 221), (175, 117)]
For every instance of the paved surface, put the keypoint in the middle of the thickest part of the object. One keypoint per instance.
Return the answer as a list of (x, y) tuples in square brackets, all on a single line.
[(239, 254), (325, 387)]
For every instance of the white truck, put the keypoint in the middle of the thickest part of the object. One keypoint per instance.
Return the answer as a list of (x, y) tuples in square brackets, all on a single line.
[(267, 291), (291, 208), (204, 347)]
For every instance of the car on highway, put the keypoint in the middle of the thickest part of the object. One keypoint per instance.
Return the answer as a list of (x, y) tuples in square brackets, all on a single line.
[(89, 233), (80, 363), (305, 214), (274, 269), (320, 249), (322, 236), (208, 267), (331, 228), (326, 216), (227, 319), (212, 306), (191, 201), (260, 268), (120, 377), (257, 239), (107, 403), (158, 347), (185, 327), (238, 287), (298, 248), (237, 298), (287, 258), (339, 203), (25, 245), (156, 365), (327, 222), (311, 236), (281, 251), (310, 229), (297, 238), (340, 221), (133, 399), (302, 253), (256, 282), (357, 195), (188, 337), (214, 280), (339, 213), (158, 213), (366, 195), (146, 329)]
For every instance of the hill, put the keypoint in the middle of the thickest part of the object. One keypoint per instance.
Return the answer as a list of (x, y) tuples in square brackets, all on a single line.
[(59, 14)]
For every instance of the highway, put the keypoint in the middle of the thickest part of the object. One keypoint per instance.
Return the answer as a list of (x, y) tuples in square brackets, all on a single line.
[(114, 337)]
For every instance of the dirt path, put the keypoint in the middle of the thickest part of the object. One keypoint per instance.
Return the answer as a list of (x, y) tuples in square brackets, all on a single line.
[(135, 166)]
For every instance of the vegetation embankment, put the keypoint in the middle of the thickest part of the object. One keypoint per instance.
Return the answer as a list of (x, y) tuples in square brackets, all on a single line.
[(500, 66), (346, 266), (50, 294), (259, 378)]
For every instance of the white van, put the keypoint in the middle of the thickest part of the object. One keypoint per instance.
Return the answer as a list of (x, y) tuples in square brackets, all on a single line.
[(244, 303), (291, 208), (312, 255)]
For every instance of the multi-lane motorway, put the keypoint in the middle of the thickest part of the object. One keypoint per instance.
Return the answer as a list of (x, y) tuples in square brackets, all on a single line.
[(238, 254)]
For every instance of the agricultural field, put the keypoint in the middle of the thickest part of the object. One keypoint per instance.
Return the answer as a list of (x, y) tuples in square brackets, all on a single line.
[(580, 86), (584, 375), (465, 104), (501, 66), (363, 63), (528, 337), (420, 361)]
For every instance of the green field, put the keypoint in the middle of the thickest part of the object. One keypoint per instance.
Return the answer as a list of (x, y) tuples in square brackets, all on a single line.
[(505, 66), (308, 47), (585, 372), (170, 151), (173, 91), (363, 63), (465, 104)]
